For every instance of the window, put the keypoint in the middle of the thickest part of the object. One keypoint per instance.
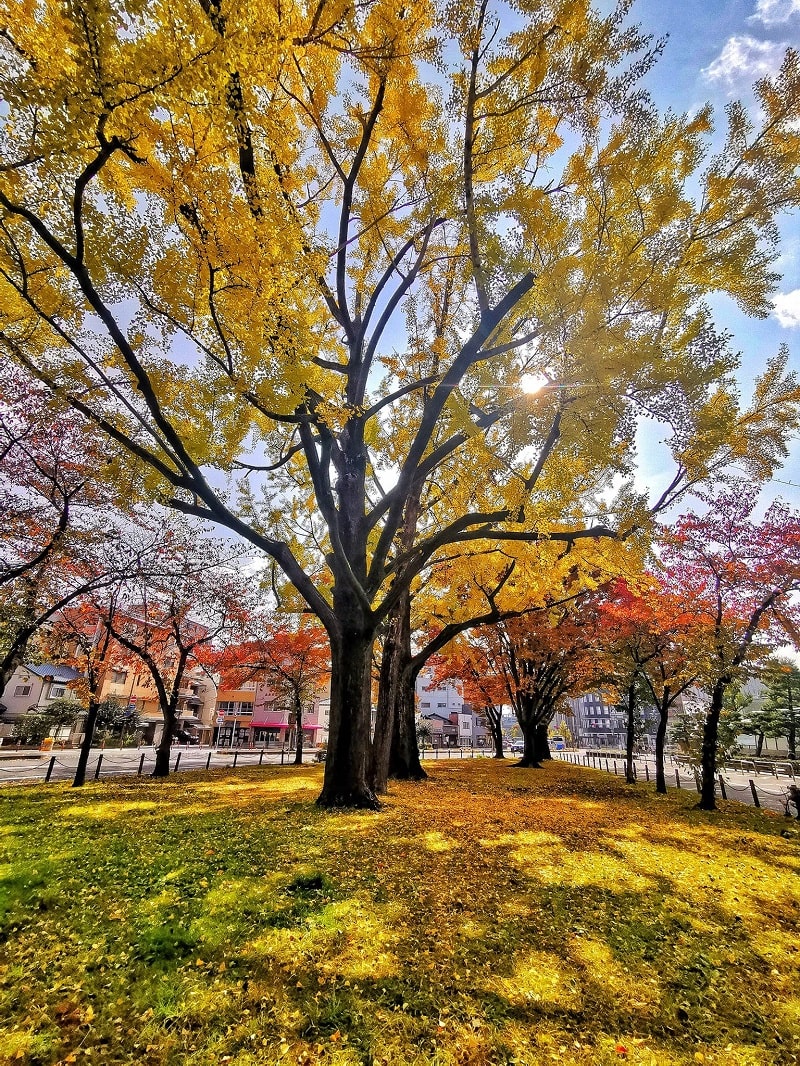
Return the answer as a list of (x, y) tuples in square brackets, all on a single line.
[(119, 677), (441, 704), (57, 691), (234, 707), (22, 690), (425, 703)]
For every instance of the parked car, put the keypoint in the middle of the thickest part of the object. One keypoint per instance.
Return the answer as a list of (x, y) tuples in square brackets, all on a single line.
[(517, 749)]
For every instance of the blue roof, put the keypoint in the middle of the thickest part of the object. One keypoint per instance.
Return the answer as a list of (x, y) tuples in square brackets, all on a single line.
[(58, 673)]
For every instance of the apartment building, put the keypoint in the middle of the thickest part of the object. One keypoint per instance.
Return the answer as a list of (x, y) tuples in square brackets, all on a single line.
[(133, 687), (449, 721), (254, 716)]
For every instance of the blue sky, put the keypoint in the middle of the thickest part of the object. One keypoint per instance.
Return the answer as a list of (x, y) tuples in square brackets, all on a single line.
[(716, 50)]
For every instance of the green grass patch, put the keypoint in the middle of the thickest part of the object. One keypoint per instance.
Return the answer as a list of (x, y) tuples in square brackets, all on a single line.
[(488, 916)]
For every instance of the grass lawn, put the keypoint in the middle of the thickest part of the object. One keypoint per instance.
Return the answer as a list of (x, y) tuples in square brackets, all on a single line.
[(490, 915)]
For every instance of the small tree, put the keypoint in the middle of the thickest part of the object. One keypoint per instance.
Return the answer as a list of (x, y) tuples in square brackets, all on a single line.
[(39, 722), (423, 735), (779, 714), (688, 729), (116, 721), (294, 663)]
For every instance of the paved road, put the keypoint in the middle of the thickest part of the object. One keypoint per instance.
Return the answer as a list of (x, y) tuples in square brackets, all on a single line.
[(115, 761), (772, 791)]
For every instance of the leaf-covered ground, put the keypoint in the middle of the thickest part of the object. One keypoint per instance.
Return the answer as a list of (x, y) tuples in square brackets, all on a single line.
[(490, 915)]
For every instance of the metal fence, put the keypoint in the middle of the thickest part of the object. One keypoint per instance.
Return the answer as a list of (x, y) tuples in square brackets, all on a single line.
[(46, 767), (734, 784)]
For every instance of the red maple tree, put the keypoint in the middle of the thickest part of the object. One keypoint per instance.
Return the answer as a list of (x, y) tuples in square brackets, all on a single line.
[(739, 576)]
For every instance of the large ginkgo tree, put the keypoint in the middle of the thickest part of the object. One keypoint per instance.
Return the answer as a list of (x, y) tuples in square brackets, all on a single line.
[(294, 259)]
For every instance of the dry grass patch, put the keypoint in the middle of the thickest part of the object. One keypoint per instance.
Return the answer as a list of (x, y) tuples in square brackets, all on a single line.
[(489, 916)]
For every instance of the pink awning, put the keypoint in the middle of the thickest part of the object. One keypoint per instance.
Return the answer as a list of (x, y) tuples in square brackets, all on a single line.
[(267, 725)]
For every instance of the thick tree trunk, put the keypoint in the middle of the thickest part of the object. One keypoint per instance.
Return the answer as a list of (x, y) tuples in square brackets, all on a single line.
[(708, 759), (404, 760), (395, 751), (346, 781), (529, 758), (528, 723), (630, 725), (759, 745), (661, 736), (792, 738), (541, 743), (164, 748), (86, 744), (400, 758), (388, 693)]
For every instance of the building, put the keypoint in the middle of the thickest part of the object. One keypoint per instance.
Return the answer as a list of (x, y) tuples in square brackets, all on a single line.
[(450, 722), (133, 687), (596, 723), (31, 688), (253, 716)]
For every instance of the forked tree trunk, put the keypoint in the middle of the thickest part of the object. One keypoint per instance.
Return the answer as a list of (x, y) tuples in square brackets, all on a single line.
[(708, 759), (346, 782)]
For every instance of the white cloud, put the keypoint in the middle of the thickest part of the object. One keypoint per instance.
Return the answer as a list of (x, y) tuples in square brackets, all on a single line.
[(774, 12), (745, 59), (787, 308)]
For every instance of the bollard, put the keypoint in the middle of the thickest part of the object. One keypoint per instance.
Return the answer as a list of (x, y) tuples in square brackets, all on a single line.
[(633, 765), (99, 764), (208, 760), (235, 759), (615, 766), (646, 772), (755, 793), (722, 787), (177, 762), (261, 757), (283, 753), (141, 764), (677, 777), (607, 768), (50, 766)]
